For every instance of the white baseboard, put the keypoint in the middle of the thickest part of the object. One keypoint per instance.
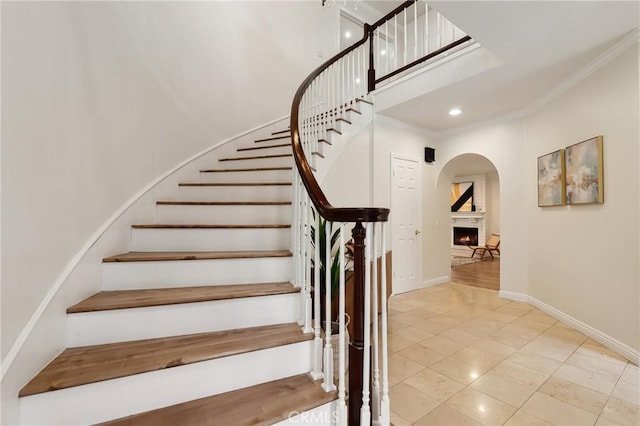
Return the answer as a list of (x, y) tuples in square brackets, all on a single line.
[(518, 297), (615, 345), (436, 281)]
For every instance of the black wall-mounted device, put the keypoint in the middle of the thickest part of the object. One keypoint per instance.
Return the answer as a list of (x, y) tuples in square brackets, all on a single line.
[(429, 155)]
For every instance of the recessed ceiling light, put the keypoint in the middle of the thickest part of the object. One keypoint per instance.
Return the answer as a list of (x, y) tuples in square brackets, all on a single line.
[(455, 111), (347, 34), (357, 81), (383, 52)]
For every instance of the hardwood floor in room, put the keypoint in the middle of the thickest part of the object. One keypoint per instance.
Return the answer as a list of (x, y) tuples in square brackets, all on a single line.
[(485, 274)]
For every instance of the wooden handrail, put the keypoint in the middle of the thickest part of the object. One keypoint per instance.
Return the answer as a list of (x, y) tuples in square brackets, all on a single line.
[(393, 13), (322, 205), (424, 58), (372, 81)]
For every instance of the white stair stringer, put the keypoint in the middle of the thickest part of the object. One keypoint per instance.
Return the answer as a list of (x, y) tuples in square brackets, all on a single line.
[(236, 192), (181, 273), (115, 398), (123, 325), (340, 141), (210, 239), (225, 214)]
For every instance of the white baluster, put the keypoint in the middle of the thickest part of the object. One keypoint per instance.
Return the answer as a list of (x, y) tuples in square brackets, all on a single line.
[(296, 227), (299, 261), (365, 413), (316, 373), (415, 31), (406, 43), (453, 31), (385, 405), (328, 385), (313, 112), (307, 268), (395, 41), (426, 29), (386, 46), (342, 405), (332, 97), (376, 47), (438, 31), (323, 91), (375, 389), (343, 84)]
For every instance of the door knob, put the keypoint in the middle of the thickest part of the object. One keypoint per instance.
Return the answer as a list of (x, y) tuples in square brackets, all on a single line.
[(417, 232)]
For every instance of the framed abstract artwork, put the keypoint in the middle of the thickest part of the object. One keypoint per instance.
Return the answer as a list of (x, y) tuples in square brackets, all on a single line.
[(551, 179), (584, 177)]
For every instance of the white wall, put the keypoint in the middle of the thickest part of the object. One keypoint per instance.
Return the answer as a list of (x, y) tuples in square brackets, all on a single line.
[(502, 144), (100, 98), (584, 259), (492, 200), (374, 188), (580, 260)]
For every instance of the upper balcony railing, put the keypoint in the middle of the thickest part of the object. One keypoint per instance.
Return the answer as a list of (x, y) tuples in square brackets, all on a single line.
[(407, 37), (333, 90)]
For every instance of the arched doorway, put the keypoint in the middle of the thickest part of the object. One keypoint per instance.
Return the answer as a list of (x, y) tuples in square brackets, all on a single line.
[(473, 209)]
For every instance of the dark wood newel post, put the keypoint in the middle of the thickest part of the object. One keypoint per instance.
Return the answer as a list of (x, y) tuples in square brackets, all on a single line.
[(356, 347), (371, 75)]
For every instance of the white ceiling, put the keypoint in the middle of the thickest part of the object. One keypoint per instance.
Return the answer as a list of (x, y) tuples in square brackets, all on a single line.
[(541, 45)]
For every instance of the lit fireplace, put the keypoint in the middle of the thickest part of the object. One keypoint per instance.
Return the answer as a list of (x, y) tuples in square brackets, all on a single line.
[(465, 236)]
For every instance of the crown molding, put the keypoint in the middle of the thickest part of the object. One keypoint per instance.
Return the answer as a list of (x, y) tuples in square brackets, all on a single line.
[(613, 52)]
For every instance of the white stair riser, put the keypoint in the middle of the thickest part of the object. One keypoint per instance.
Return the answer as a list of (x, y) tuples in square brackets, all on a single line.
[(253, 176), (266, 151), (198, 239), (235, 193), (181, 273), (110, 399), (324, 415), (224, 214), (119, 325), (256, 162)]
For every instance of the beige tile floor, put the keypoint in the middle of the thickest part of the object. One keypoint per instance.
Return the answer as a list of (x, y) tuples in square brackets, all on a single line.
[(460, 355)]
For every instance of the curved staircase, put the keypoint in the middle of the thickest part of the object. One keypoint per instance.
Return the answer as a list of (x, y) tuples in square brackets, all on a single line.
[(198, 324)]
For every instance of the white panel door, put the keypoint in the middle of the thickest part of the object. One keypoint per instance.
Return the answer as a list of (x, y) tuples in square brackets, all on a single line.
[(406, 223)]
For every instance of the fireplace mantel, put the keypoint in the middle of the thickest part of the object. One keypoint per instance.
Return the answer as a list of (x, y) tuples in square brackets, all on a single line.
[(467, 215)]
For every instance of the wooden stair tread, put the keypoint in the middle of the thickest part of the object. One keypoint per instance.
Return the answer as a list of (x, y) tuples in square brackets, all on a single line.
[(364, 101), (91, 364), (156, 256), (279, 132), (125, 299), (252, 169), (274, 138), (256, 157), (235, 184), (223, 203), (263, 404), (205, 226)]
